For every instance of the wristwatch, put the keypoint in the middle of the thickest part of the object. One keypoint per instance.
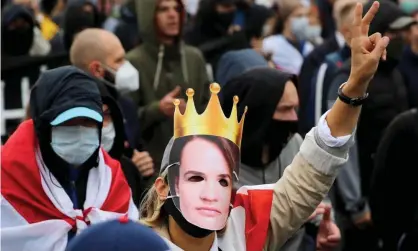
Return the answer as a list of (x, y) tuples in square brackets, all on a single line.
[(351, 101)]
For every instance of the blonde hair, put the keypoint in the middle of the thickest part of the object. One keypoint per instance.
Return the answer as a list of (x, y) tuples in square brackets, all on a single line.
[(150, 209), (343, 11)]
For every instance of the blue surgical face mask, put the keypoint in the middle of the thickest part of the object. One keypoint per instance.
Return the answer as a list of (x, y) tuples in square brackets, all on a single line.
[(299, 27), (74, 144)]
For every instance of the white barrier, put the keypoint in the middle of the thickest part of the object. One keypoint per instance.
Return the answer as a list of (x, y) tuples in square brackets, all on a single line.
[(18, 113)]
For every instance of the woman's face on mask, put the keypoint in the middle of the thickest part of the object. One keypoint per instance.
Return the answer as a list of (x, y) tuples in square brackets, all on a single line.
[(204, 185)]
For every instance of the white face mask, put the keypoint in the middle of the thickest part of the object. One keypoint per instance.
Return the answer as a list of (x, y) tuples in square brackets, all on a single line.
[(127, 78), (266, 30), (108, 137), (300, 25), (74, 144), (314, 32)]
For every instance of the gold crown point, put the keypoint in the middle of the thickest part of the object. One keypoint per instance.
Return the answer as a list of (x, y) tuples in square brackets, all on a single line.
[(215, 88), (176, 102), (236, 100), (190, 92)]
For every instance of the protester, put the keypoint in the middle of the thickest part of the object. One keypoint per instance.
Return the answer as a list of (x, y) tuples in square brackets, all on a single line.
[(117, 235), (342, 14), (78, 16), (387, 89), (235, 63), (270, 141), (409, 65), (127, 29), (289, 48), (166, 67), (100, 53), (396, 151), (60, 180), (388, 98), (276, 211), (113, 142), (217, 29), (18, 24)]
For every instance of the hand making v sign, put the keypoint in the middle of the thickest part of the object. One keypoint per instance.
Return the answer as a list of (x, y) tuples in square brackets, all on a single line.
[(366, 52)]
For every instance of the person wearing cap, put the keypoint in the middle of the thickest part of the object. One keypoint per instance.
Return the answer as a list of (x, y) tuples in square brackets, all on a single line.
[(388, 98), (409, 63), (116, 235), (200, 167), (55, 178), (100, 53)]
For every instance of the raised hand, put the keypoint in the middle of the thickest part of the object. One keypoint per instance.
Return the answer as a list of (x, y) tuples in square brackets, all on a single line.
[(366, 51)]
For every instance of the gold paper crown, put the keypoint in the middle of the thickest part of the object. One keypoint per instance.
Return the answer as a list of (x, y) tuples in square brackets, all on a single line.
[(212, 121)]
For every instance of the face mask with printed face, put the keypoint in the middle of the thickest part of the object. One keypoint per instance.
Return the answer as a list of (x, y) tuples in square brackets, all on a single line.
[(108, 137), (299, 26), (74, 144)]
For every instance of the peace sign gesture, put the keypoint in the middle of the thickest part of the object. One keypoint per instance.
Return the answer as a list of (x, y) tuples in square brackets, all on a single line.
[(366, 51)]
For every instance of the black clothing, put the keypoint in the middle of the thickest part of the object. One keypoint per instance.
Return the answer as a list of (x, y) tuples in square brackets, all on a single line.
[(132, 175), (55, 92), (16, 41), (310, 65), (393, 190), (261, 90)]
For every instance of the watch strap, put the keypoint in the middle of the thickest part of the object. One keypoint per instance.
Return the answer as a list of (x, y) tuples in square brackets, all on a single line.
[(358, 101)]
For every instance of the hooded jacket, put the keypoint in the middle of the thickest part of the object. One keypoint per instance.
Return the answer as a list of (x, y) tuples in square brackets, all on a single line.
[(25, 35), (162, 68), (132, 174), (387, 98), (261, 90), (75, 20), (395, 176), (36, 206)]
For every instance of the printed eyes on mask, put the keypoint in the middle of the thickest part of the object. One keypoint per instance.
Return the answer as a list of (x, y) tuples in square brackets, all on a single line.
[(196, 178)]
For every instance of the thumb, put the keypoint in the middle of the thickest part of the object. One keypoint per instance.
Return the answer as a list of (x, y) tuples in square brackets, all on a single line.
[(175, 92), (380, 47)]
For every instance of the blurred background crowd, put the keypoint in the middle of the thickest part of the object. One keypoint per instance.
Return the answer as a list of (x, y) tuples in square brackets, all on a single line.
[(171, 45)]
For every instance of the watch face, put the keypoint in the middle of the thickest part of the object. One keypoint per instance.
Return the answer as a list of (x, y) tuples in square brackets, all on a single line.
[(201, 176)]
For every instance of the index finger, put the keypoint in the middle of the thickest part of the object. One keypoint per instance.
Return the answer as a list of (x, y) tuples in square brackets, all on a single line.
[(358, 13), (368, 18)]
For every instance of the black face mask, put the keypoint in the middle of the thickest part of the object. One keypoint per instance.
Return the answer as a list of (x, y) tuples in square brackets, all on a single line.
[(395, 49), (225, 19), (25, 37), (278, 135), (186, 226)]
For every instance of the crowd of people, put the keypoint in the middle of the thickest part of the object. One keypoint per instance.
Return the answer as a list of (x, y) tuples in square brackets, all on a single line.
[(210, 125)]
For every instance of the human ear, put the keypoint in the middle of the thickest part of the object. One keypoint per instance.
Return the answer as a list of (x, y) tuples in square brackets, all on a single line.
[(161, 187)]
